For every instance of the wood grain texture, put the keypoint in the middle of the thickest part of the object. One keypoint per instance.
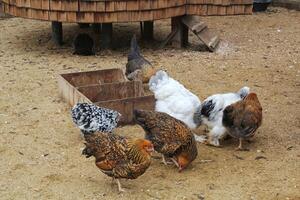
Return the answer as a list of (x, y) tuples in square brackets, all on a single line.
[(106, 88), (108, 11)]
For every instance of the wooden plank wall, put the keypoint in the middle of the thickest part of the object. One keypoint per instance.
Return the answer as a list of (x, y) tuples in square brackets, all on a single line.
[(101, 11)]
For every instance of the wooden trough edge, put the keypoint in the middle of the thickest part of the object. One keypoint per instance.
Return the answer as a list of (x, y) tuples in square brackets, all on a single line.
[(80, 87)]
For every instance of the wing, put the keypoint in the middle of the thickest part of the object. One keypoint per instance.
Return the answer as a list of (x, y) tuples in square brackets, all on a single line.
[(167, 133), (170, 148), (250, 122), (241, 120), (137, 63), (110, 148), (130, 170)]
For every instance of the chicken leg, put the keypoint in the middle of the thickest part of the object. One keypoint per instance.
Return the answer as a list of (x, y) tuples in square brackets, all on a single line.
[(119, 186), (175, 162), (240, 147), (165, 161)]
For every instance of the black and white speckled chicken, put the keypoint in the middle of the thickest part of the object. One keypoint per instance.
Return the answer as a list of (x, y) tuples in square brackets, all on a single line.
[(91, 118), (210, 113)]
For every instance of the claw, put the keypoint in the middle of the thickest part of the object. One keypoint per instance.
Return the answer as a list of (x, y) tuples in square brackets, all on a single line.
[(200, 138), (212, 142)]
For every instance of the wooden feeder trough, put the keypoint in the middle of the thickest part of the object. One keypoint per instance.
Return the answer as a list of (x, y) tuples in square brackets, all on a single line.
[(106, 88)]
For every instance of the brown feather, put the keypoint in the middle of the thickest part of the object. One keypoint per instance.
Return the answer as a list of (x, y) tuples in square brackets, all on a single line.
[(170, 136), (243, 118), (118, 156)]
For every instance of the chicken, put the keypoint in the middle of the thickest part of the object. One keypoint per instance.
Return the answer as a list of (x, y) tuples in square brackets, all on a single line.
[(243, 118), (91, 118), (211, 113), (170, 137), (119, 157), (84, 45), (137, 67), (174, 99)]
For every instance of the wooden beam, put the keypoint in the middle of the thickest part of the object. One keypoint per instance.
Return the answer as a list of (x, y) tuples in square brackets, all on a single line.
[(83, 25), (181, 37), (147, 29), (57, 32), (106, 35)]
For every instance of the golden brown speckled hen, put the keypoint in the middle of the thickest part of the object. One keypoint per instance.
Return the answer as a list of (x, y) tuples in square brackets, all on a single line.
[(170, 137), (243, 118), (117, 156)]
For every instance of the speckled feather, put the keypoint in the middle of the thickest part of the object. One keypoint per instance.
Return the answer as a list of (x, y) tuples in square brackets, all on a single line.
[(90, 118), (170, 136), (116, 156)]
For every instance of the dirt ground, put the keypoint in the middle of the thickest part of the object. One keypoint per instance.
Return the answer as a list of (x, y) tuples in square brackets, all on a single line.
[(40, 149)]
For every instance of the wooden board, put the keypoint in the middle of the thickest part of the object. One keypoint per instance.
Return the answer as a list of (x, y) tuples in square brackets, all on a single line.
[(80, 79), (109, 11), (106, 88)]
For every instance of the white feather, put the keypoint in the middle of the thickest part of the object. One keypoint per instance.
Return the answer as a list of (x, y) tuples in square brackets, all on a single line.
[(173, 98), (214, 120)]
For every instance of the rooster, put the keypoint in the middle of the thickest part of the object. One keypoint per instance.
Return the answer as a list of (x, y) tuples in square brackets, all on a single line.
[(211, 113), (170, 137), (117, 156), (174, 99), (137, 67), (91, 118), (243, 118)]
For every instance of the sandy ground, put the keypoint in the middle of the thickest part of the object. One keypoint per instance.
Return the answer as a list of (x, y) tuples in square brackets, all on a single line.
[(40, 149)]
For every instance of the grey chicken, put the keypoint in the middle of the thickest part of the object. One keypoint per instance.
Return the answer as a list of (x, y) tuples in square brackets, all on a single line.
[(137, 67)]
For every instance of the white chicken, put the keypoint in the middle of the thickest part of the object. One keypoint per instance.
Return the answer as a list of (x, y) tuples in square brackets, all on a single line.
[(174, 99), (211, 113)]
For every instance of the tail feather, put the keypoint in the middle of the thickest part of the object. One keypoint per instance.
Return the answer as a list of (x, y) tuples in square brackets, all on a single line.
[(243, 92), (134, 49), (197, 116), (87, 152)]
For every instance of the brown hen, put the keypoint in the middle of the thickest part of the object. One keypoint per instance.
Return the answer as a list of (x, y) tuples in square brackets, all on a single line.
[(243, 118), (117, 156), (170, 137)]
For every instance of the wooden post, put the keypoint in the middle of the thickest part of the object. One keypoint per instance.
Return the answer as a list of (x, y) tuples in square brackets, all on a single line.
[(57, 32), (106, 35), (96, 27), (147, 30), (181, 37)]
